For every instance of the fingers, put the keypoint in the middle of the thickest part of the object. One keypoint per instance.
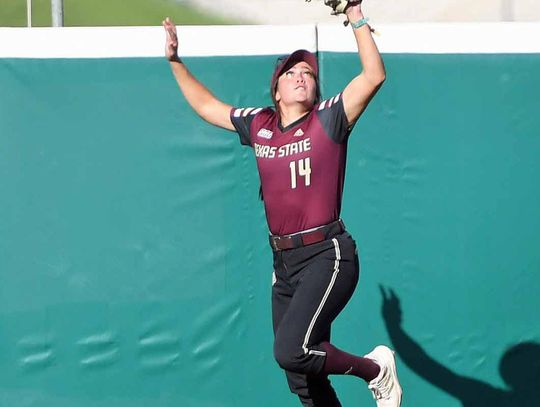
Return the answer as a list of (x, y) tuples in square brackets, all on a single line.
[(170, 29), (169, 26)]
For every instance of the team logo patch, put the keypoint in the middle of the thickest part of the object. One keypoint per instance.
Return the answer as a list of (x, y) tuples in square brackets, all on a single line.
[(265, 133), (299, 133)]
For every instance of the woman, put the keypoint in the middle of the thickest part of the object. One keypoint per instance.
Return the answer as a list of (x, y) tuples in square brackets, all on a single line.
[(300, 148)]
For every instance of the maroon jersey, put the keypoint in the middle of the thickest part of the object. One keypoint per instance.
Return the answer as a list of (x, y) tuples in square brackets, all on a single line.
[(301, 166)]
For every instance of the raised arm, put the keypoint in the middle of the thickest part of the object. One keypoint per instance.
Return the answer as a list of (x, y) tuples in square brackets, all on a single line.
[(211, 109), (363, 87)]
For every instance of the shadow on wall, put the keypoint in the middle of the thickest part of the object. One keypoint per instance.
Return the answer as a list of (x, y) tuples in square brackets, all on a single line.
[(519, 367)]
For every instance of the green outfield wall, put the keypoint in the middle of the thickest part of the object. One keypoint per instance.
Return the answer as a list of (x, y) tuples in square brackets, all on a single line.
[(134, 264)]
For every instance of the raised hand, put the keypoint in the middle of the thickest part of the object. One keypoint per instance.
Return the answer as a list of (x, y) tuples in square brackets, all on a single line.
[(171, 42), (352, 5)]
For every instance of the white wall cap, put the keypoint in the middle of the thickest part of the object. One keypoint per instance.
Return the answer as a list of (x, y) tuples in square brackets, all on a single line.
[(438, 38), (121, 42)]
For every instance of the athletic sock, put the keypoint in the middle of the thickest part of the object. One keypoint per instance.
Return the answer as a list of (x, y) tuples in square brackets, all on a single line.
[(339, 362)]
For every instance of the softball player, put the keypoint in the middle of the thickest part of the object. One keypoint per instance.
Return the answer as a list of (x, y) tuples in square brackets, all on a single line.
[(300, 147)]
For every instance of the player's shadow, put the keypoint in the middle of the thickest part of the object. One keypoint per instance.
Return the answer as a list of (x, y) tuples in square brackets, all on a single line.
[(519, 367)]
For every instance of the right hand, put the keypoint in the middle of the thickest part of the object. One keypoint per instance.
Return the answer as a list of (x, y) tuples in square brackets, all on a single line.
[(171, 43), (353, 11)]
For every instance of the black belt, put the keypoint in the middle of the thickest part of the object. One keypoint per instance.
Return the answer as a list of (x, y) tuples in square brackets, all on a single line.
[(301, 239)]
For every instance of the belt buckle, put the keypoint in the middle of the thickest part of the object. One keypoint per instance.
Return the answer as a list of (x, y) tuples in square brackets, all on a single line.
[(273, 243)]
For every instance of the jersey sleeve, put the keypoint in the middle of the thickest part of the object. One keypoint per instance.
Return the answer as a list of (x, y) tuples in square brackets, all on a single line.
[(332, 116), (241, 119)]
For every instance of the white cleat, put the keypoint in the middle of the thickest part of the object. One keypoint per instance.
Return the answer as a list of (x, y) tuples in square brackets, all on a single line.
[(385, 387)]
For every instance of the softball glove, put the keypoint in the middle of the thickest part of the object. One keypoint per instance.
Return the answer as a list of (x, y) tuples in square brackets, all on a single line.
[(338, 6)]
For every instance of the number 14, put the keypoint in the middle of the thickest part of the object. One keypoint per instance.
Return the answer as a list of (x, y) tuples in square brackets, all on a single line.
[(304, 170)]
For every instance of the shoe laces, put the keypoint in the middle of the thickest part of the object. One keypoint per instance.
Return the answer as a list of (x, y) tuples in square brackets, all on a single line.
[(382, 388)]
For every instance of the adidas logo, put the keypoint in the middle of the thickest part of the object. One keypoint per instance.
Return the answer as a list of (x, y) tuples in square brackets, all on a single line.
[(299, 133)]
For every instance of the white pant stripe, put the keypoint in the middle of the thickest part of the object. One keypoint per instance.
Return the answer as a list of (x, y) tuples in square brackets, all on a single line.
[(325, 297)]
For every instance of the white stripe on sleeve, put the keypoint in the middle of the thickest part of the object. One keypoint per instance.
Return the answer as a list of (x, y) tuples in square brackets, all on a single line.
[(246, 112)]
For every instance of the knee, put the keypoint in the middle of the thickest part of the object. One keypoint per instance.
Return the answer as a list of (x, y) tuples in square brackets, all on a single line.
[(286, 360), (288, 357)]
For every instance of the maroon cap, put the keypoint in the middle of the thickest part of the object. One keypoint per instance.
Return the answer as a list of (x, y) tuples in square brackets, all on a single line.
[(288, 61)]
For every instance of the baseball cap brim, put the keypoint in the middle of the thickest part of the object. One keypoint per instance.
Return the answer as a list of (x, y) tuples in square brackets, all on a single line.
[(289, 61)]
